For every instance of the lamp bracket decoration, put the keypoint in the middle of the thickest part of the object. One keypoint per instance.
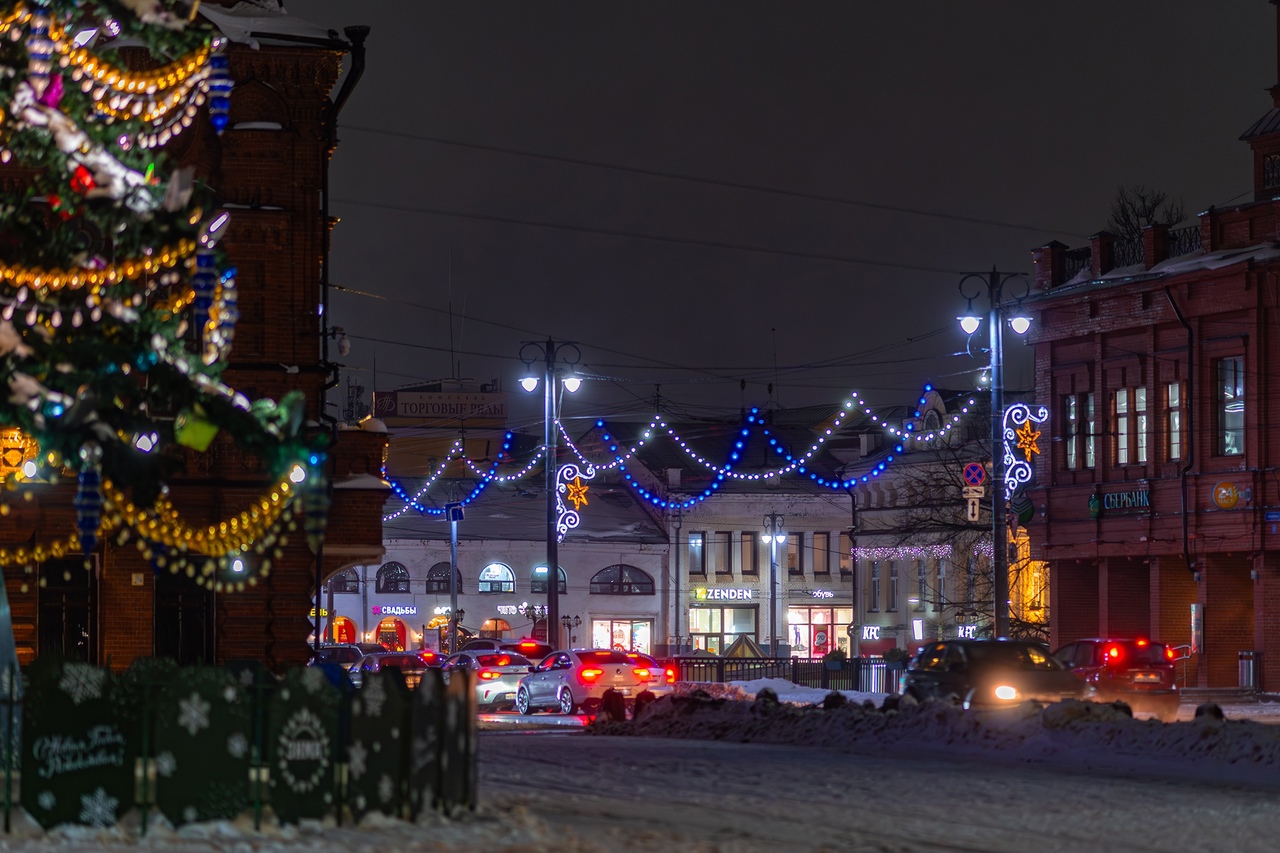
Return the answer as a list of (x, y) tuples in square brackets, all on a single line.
[(1021, 443), (571, 488)]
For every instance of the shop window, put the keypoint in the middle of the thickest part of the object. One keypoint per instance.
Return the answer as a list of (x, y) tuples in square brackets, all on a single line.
[(822, 553), (624, 635), (846, 555), (622, 580), (718, 553), (345, 581), (496, 577), (538, 581), (392, 577), (438, 579), (1231, 406), (1173, 421), (815, 631), (697, 554), (750, 553), (795, 554)]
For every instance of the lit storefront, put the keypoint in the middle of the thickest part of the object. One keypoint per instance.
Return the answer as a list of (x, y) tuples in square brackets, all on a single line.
[(718, 615), (628, 635), (815, 630)]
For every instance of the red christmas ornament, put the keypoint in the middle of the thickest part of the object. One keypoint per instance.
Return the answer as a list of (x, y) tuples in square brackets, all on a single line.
[(82, 180)]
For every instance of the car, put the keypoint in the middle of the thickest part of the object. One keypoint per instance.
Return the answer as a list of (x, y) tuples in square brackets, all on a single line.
[(987, 674), (662, 679), (411, 664), (573, 679), (342, 653), (526, 647), (498, 675), (1132, 670)]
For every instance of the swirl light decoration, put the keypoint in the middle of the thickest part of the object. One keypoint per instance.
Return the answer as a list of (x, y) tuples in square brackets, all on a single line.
[(1021, 443), (569, 484)]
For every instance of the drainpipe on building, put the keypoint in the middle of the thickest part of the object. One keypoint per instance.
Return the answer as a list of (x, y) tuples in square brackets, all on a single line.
[(1189, 408)]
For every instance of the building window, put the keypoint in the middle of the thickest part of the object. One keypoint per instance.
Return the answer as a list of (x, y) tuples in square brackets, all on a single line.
[(345, 581), (1173, 401), (1231, 406), (922, 584), (971, 584), (538, 581), (496, 577), (892, 604), (697, 554), (718, 552), (1131, 426), (822, 553), (392, 577), (622, 580), (795, 554), (846, 555), (1038, 587), (1078, 414), (438, 579), (873, 588), (1271, 171), (750, 555), (815, 631)]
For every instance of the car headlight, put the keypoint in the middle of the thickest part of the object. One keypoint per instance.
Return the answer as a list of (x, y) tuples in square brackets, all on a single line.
[(1006, 692)]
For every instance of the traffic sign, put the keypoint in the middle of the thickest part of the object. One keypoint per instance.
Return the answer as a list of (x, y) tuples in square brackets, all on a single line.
[(975, 474), (974, 491), (972, 514)]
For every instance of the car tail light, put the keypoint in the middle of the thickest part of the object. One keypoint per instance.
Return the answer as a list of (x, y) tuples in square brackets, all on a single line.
[(588, 676), (1113, 654), (528, 646), (1141, 643), (489, 675), (641, 673), (504, 661), (671, 675), (427, 657), (1168, 652)]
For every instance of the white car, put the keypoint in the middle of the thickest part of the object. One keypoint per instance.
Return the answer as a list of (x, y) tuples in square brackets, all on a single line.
[(573, 679)]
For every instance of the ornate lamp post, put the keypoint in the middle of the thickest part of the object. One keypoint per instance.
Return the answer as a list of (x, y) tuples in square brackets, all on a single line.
[(994, 283), (569, 355), (775, 536), (569, 623)]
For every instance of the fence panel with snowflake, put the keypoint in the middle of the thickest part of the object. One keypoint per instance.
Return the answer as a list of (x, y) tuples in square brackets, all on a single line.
[(377, 758), (302, 745), (79, 744), (203, 736)]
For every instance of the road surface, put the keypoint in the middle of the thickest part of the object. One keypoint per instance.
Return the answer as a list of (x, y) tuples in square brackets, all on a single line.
[(606, 793)]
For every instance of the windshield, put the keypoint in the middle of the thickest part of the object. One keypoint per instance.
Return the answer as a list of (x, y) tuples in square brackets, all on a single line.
[(503, 659), (1015, 655), (405, 662), (599, 657)]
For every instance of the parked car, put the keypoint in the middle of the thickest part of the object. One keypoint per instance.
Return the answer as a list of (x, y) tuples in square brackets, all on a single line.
[(498, 675), (986, 674), (1134, 670), (662, 679), (342, 653), (409, 663), (526, 647), (577, 678)]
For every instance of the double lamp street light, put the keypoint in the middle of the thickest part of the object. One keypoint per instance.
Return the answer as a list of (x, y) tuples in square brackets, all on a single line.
[(1000, 313)]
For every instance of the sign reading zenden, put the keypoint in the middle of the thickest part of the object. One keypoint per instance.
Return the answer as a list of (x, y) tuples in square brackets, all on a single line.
[(451, 406), (395, 610), (724, 593)]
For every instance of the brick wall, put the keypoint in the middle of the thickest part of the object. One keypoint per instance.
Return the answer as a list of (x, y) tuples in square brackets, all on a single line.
[(1226, 591), (1128, 599), (1074, 593)]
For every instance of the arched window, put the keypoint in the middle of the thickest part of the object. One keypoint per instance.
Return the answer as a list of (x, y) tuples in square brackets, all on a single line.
[(496, 577), (393, 577), (622, 580), (438, 579), (345, 581), (538, 581)]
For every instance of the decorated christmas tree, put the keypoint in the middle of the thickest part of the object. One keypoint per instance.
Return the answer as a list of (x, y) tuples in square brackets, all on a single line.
[(117, 309)]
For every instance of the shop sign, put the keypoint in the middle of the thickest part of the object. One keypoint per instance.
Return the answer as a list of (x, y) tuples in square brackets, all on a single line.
[(395, 610), (1118, 503), (448, 405), (724, 593), (870, 632), (1227, 496), (822, 593), (324, 611), (966, 632), (508, 610)]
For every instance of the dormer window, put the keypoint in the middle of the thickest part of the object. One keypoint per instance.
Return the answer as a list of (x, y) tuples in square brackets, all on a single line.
[(1271, 171)]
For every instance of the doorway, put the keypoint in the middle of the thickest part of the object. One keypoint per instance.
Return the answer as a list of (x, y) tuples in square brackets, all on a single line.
[(67, 601), (184, 625)]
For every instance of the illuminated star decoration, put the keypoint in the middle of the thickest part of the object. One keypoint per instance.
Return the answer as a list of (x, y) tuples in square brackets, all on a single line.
[(1028, 440), (577, 492)]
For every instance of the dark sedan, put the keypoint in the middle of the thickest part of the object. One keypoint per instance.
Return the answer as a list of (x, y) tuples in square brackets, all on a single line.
[(987, 674)]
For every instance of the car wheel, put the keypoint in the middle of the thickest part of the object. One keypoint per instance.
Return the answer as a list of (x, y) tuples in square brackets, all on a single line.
[(522, 701), (567, 705)]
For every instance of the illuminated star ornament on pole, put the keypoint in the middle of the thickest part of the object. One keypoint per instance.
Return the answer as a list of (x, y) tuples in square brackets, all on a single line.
[(1021, 444), (571, 488)]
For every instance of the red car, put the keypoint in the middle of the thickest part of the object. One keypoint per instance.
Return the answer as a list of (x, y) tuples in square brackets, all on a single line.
[(1138, 672)]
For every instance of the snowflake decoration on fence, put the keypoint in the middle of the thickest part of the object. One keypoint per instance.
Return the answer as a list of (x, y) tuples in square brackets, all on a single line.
[(166, 764), (386, 788), (356, 757), (98, 808), (375, 696), (237, 745), (193, 713), (82, 682), (47, 800), (313, 680)]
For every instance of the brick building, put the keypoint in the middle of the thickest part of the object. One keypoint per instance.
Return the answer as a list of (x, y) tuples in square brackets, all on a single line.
[(269, 168), (1158, 499)]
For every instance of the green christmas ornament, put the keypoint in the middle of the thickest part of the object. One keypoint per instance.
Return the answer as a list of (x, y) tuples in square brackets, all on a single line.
[(192, 429)]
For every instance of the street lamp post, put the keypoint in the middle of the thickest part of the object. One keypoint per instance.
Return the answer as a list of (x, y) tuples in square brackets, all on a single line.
[(774, 535), (569, 623), (994, 282), (549, 350)]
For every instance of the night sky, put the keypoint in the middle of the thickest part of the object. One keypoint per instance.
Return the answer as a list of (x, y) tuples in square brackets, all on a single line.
[(988, 128)]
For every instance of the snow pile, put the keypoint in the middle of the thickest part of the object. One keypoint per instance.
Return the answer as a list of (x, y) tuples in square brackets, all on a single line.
[(1083, 731)]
